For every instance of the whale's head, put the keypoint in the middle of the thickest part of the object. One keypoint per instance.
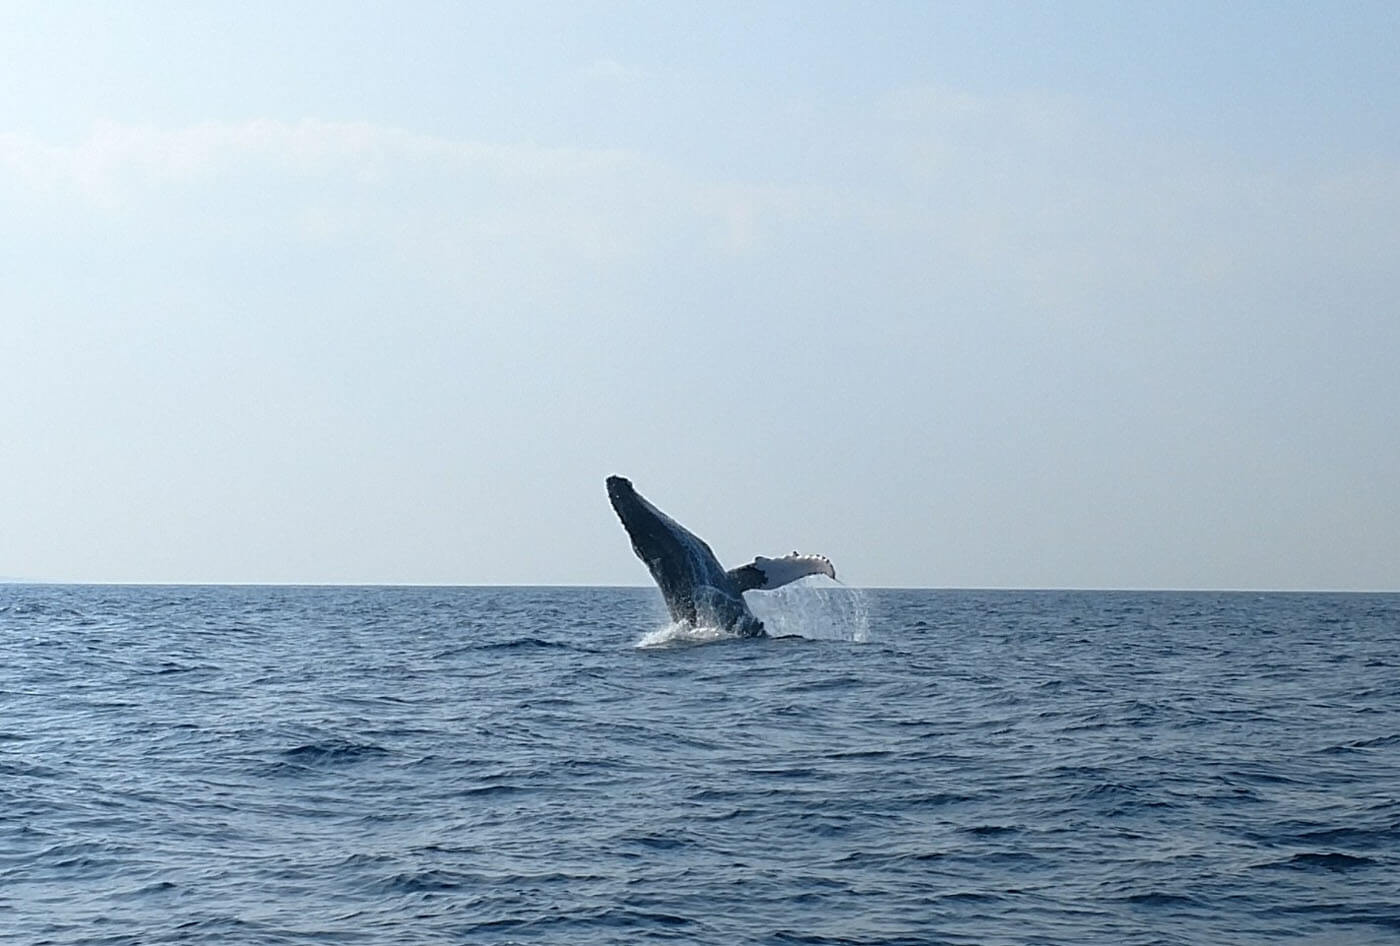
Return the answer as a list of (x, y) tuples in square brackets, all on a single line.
[(676, 558), (696, 587), (623, 498), (652, 533), (619, 486)]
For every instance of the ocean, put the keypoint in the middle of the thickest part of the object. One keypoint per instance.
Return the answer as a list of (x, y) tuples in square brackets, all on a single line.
[(302, 765)]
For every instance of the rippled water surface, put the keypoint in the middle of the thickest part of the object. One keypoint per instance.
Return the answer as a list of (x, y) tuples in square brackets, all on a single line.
[(477, 765)]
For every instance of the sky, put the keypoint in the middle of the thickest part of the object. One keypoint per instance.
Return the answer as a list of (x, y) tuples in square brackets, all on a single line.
[(1088, 295)]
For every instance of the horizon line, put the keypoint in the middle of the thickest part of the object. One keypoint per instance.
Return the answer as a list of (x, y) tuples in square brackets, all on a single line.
[(134, 583)]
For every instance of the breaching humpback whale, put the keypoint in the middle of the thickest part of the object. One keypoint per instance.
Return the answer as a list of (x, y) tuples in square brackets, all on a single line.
[(697, 589)]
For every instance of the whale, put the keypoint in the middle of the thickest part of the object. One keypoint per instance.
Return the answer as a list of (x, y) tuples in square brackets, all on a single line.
[(697, 589)]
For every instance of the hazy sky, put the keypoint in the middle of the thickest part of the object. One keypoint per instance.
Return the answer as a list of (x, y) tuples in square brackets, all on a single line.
[(959, 294)]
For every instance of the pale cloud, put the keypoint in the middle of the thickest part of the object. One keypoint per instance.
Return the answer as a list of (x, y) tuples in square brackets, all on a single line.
[(339, 179), (920, 102), (431, 197), (1031, 191), (610, 70), (113, 154), (746, 215), (1062, 203)]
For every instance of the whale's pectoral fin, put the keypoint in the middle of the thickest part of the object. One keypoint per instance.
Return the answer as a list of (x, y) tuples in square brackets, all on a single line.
[(765, 574)]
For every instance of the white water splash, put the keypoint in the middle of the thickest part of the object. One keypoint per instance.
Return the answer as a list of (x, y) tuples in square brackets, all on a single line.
[(816, 608), (682, 633)]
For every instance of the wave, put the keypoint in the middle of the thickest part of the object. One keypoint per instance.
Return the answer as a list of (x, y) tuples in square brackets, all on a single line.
[(526, 643), (1334, 861), (332, 751)]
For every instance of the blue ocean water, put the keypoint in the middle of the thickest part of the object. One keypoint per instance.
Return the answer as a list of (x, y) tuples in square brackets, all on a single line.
[(507, 765)]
